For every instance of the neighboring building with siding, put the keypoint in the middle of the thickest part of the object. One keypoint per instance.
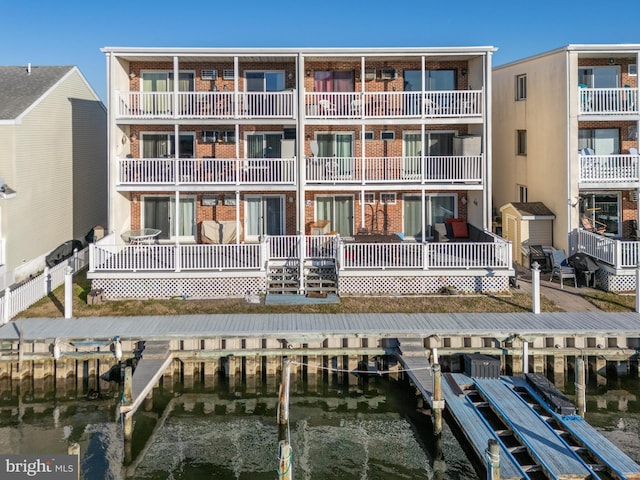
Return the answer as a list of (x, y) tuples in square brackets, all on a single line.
[(565, 126), (53, 162)]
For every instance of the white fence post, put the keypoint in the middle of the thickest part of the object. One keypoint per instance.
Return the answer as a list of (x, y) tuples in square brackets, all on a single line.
[(46, 277), (535, 287), (68, 292), (92, 260)]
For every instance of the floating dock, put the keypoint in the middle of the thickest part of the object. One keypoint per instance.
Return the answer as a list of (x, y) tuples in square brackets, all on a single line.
[(535, 442)]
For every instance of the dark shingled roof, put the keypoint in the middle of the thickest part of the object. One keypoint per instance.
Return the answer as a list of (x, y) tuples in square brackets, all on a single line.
[(19, 89), (533, 209)]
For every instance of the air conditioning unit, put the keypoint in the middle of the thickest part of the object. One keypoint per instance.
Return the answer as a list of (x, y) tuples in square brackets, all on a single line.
[(388, 74), (209, 75), (228, 74), (369, 73)]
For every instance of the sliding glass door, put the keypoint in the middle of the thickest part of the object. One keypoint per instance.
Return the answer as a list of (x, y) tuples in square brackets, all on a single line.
[(438, 207), (160, 212), (338, 210), (264, 215)]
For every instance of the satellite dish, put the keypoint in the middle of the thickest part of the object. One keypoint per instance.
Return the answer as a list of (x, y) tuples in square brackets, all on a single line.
[(314, 147)]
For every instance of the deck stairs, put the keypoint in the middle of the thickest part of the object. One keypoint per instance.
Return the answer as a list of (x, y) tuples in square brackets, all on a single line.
[(320, 277)]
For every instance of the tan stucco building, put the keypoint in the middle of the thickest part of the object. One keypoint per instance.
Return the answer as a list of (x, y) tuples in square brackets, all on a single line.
[(565, 126)]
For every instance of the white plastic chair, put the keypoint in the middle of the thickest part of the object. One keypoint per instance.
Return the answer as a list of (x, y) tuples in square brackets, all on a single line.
[(561, 268)]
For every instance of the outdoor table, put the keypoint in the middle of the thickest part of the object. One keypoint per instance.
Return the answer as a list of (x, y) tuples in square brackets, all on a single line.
[(377, 238), (143, 235)]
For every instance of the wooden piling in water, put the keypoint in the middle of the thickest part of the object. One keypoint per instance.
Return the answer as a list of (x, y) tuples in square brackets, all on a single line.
[(438, 403), (580, 387)]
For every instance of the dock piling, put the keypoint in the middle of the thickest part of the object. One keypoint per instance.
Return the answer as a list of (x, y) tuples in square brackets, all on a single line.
[(535, 287), (580, 387), (493, 460), (438, 403)]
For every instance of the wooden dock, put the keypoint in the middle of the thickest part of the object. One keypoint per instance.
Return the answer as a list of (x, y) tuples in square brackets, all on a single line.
[(156, 356), (413, 358), (534, 441)]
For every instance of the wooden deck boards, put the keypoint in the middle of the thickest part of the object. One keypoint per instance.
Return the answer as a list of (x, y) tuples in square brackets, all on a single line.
[(155, 359), (542, 442), (475, 428), (397, 324), (602, 448)]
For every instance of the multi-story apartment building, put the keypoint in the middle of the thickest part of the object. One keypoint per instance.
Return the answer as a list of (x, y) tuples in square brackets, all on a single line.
[(566, 134), (299, 170)]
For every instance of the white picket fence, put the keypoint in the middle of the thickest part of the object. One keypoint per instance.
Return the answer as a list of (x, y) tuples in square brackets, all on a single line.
[(28, 293)]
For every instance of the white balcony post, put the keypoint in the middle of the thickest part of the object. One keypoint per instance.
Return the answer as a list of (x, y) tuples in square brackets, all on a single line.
[(341, 254), (425, 256), (7, 306), (178, 264), (264, 253), (92, 258)]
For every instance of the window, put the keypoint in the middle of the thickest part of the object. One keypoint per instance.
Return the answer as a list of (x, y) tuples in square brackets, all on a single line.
[(388, 198), (387, 135), (369, 198), (632, 69), (603, 141), (599, 77), (228, 136), (522, 194), (522, 142), (162, 145), (433, 80), (333, 81), (368, 135), (521, 87), (209, 136), (265, 81), (163, 81)]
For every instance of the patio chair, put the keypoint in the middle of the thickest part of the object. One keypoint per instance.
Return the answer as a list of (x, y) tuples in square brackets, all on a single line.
[(326, 107), (561, 268)]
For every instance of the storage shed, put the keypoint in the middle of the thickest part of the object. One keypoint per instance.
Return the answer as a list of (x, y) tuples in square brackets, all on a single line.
[(526, 224)]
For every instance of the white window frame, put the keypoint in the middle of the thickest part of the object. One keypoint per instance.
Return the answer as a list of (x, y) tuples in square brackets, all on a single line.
[(368, 136), (632, 69), (521, 150), (168, 134), (388, 198), (369, 198)]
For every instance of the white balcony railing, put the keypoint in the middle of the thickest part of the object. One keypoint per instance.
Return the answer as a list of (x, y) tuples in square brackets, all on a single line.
[(454, 103), (206, 105), (608, 101), (246, 171), (617, 253), (433, 170), (612, 169), (254, 257)]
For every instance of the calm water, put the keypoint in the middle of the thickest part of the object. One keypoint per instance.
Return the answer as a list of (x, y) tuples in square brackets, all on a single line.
[(342, 428)]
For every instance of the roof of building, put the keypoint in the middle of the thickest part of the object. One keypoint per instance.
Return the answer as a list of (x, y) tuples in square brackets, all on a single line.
[(531, 209), (21, 87)]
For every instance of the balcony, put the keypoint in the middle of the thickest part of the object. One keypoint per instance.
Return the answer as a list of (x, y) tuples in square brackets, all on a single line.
[(619, 254), (206, 171), (493, 253), (371, 105), (608, 171), (608, 101), (206, 105), (467, 170)]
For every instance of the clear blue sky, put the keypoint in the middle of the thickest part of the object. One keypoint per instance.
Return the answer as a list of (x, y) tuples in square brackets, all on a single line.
[(71, 32)]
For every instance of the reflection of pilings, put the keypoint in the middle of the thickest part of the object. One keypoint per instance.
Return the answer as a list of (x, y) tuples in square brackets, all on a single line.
[(439, 464)]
